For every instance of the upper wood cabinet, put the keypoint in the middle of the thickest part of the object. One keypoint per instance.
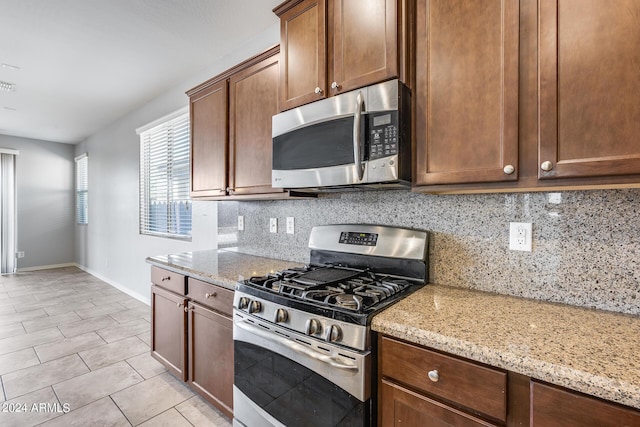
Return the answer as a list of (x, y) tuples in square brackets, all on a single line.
[(209, 131), (589, 88), (231, 131), (333, 46), (253, 100), (466, 91)]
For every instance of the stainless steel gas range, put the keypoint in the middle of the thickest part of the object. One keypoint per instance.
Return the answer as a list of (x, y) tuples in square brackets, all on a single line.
[(304, 352)]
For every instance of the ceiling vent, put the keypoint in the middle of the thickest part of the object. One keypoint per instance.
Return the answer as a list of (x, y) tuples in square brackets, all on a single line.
[(7, 87)]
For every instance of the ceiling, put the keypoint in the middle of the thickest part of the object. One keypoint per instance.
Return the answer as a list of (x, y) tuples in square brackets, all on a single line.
[(84, 63)]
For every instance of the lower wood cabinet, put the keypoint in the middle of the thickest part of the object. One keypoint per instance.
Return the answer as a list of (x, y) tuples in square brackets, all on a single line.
[(553, 406), (169, 330), (421, 387), (401, 407), (211, 356), (192, 334)]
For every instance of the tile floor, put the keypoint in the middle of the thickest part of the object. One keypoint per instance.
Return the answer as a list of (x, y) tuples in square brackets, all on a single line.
[(74, 351)]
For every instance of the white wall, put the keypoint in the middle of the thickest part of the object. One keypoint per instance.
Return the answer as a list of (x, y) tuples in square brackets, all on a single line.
[(110, 246), (45, 200)]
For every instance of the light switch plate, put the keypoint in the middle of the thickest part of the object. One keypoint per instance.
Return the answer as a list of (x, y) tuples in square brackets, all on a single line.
[(273, 225), (240, 223), (290, 225)]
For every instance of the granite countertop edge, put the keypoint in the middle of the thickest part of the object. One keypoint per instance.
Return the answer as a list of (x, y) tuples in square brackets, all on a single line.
[(602, 386), (196, 274)]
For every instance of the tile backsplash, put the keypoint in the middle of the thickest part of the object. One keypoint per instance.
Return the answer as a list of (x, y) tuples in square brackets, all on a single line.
[(586, 244)]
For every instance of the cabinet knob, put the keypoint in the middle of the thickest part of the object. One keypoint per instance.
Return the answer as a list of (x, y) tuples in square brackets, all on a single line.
[(179, 304), (208, 295), (546, 166), (434, 375), (335, 85), (318, 90), (164, 279), (509, 169)]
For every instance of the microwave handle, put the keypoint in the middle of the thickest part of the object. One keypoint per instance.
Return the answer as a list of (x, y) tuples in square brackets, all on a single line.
[(358, 137)]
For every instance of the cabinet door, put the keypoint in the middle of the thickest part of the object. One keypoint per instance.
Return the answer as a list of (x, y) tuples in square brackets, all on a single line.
[(363, 46), (253, 100), (552, 406), (400, 407), (211, 356), (209, 138), (589, 87), (303, 53), (169, 330), (466, 91)]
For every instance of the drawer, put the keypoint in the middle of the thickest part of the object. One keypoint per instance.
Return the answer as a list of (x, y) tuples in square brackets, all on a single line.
[(216, 297), (168, 280), (477, 388)]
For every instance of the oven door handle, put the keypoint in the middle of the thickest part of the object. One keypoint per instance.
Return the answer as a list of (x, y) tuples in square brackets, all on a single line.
[(298, 348)]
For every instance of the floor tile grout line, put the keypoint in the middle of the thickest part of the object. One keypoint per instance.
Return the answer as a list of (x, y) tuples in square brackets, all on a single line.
[(120, 409)]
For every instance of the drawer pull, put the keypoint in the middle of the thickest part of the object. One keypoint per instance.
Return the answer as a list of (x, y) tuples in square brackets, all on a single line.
[(164, 279), (208, 295), (434, 375), (179, 305)]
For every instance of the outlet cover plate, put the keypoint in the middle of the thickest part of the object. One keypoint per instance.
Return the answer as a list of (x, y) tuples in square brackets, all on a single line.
[(240, 223), (290, 225), (520, 236), (273, 225)]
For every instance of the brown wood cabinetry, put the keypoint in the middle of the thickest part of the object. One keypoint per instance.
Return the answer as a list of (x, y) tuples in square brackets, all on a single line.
[(169, 330), (589, 88), (209, 131), (568, 117), (466, 91), (333, 46), (552, 406), (441, 388), (192, 334), (210, 345), (231, 131)]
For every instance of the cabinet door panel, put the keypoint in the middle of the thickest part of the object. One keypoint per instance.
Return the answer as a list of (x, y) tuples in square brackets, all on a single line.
[(552, 406), (209, 141), (211, 356), (466, 91), (364, 43), (400, 407), (253, 100), (303, 53), (168, 330), (589, 87)]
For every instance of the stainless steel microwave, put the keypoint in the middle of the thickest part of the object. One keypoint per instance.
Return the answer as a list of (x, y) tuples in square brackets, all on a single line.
[(359, 139)]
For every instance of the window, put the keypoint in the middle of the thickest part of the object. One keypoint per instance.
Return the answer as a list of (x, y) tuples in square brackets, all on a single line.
[(165, 205), (82, 189)]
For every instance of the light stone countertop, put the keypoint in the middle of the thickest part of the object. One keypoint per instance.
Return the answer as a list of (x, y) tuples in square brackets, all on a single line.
[(591, 351), (218, 266)]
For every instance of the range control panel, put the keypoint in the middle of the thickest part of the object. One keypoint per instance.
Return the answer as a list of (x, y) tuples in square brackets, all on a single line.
[(360, 239), (383, 135)]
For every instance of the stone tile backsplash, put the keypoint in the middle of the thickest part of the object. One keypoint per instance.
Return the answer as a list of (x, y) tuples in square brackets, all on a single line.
[(586, 244)]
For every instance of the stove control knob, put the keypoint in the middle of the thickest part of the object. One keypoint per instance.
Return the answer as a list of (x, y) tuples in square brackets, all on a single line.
[(255, 307), (243, 303), (281, 315), (313, 327), (334, 333)]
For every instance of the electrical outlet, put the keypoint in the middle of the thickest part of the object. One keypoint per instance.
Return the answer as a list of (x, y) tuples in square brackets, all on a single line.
[(240, 223), (290, 225), (273, 225), (520, 236), (20, 254)]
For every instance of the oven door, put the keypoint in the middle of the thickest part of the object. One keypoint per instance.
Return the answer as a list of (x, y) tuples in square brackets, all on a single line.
[(283, 378)]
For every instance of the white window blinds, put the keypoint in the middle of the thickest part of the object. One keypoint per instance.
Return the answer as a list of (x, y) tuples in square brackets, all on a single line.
[(82, 189), (165, 205)]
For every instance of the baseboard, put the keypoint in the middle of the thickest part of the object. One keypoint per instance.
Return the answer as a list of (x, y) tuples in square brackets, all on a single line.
[(118, 286), (47, 267)]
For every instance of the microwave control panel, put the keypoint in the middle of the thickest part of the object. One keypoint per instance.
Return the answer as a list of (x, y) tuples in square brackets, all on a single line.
[(383, 135)]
